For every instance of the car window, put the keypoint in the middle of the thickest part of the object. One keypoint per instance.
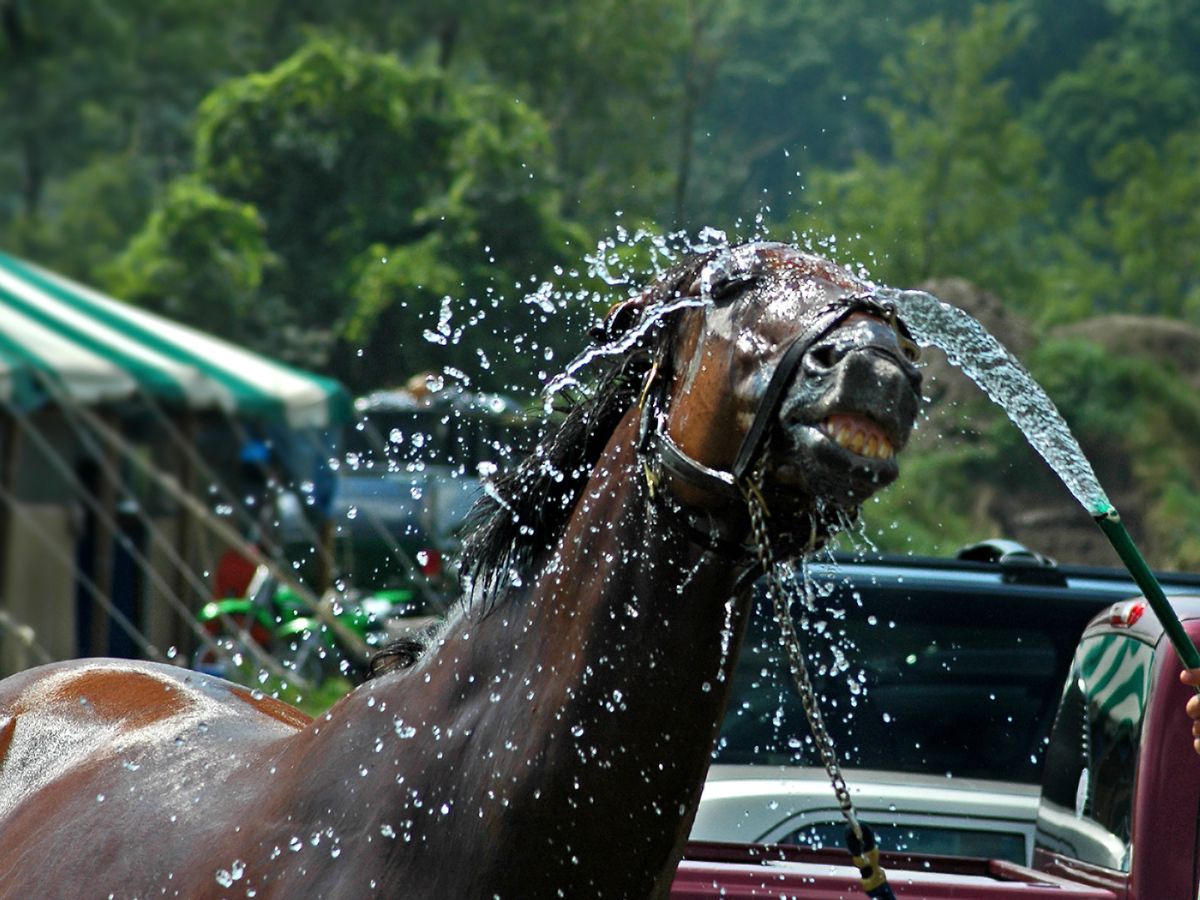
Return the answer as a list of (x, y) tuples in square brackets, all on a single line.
[(1087, 797), (942, 840), (916, 681)]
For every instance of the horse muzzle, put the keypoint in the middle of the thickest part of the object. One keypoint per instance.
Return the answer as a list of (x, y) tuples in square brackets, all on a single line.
[(849, 413)]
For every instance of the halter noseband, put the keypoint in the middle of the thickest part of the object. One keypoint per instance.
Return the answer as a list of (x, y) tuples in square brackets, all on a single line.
[(661, 454)]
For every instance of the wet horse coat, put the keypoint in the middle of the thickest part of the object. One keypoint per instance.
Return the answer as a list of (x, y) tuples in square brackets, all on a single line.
[(553, 739)]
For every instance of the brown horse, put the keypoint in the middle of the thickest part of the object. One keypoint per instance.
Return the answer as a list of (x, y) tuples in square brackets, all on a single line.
[(552, 740)]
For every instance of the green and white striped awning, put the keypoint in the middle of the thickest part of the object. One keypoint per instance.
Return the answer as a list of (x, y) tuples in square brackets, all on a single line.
[(62, 340)]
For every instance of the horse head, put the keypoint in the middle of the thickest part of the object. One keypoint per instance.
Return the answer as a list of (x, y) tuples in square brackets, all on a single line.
[(775, 367)]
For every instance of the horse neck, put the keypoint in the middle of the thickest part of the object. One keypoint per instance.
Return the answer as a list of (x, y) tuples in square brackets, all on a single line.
[(621, 651), (588, 698), (625, 591)]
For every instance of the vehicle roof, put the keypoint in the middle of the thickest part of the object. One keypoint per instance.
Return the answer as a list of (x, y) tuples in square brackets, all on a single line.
[(1011, 576)]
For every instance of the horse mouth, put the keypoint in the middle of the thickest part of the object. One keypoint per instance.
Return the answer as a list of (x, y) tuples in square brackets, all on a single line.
[(843, 457), (858, 435)]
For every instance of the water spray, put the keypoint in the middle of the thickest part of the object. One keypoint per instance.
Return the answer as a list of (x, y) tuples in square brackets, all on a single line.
[(1001, 376)]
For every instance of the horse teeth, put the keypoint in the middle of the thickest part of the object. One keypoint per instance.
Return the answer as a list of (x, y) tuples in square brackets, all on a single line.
[(856, 440)]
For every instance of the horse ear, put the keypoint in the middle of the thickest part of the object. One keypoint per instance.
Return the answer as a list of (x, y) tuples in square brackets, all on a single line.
[(621, 317)]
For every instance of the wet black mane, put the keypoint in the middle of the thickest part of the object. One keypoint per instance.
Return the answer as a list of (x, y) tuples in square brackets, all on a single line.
[(525, 509)]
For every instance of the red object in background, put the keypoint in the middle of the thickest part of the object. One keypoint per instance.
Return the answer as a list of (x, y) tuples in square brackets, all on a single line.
[(430, 561), (233, 575), (1127, 613)]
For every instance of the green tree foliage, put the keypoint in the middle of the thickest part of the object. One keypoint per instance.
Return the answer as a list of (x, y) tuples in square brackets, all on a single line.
[(1144, 407), (1119, 93), (200, 259), (961, 191), (604, 75), (380, 188), (789, 88), (1150, 233), (87, 86), (368, 182)]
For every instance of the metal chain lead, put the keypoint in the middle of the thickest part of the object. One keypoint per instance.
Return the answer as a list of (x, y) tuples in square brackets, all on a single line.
[(757, 509)]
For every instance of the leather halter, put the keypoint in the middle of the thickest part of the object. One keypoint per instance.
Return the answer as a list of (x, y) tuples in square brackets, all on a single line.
[(661, 454)]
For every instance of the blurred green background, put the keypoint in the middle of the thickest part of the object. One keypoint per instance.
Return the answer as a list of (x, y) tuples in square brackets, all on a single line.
[(373, 190)]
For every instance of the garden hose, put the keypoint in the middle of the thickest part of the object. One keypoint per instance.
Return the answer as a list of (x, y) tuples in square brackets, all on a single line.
[(1110, 523)]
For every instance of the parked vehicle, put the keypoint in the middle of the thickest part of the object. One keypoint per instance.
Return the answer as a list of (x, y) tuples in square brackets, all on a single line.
[(917, 813), (410, 471), (1119, 798), (985, 640)]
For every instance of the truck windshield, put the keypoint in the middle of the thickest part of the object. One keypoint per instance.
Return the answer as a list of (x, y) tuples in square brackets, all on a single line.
[(910, 680)]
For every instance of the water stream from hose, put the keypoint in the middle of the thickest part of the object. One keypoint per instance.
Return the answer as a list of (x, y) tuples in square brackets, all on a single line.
[(981, 357)]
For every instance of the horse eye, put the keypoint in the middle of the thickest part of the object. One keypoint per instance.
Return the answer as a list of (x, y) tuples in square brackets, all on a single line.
[(910, 350), (728, 290)]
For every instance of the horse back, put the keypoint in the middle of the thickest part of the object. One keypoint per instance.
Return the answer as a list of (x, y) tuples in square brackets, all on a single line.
[(98, 722)]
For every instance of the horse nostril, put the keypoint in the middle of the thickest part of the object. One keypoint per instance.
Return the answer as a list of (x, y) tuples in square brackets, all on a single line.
[(826, 356)]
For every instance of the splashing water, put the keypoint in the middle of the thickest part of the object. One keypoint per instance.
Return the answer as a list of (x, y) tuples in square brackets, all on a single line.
[(663, 251), (1001, 376), (969, 346)]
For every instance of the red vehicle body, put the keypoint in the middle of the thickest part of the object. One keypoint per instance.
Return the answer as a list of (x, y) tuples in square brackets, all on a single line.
[(1119, 812)]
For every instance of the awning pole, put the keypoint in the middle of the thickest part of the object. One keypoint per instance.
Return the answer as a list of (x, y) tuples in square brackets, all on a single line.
[(318, 605), (10, 441), (186, 538), (104, 551), (53, 546), (97, 427)]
